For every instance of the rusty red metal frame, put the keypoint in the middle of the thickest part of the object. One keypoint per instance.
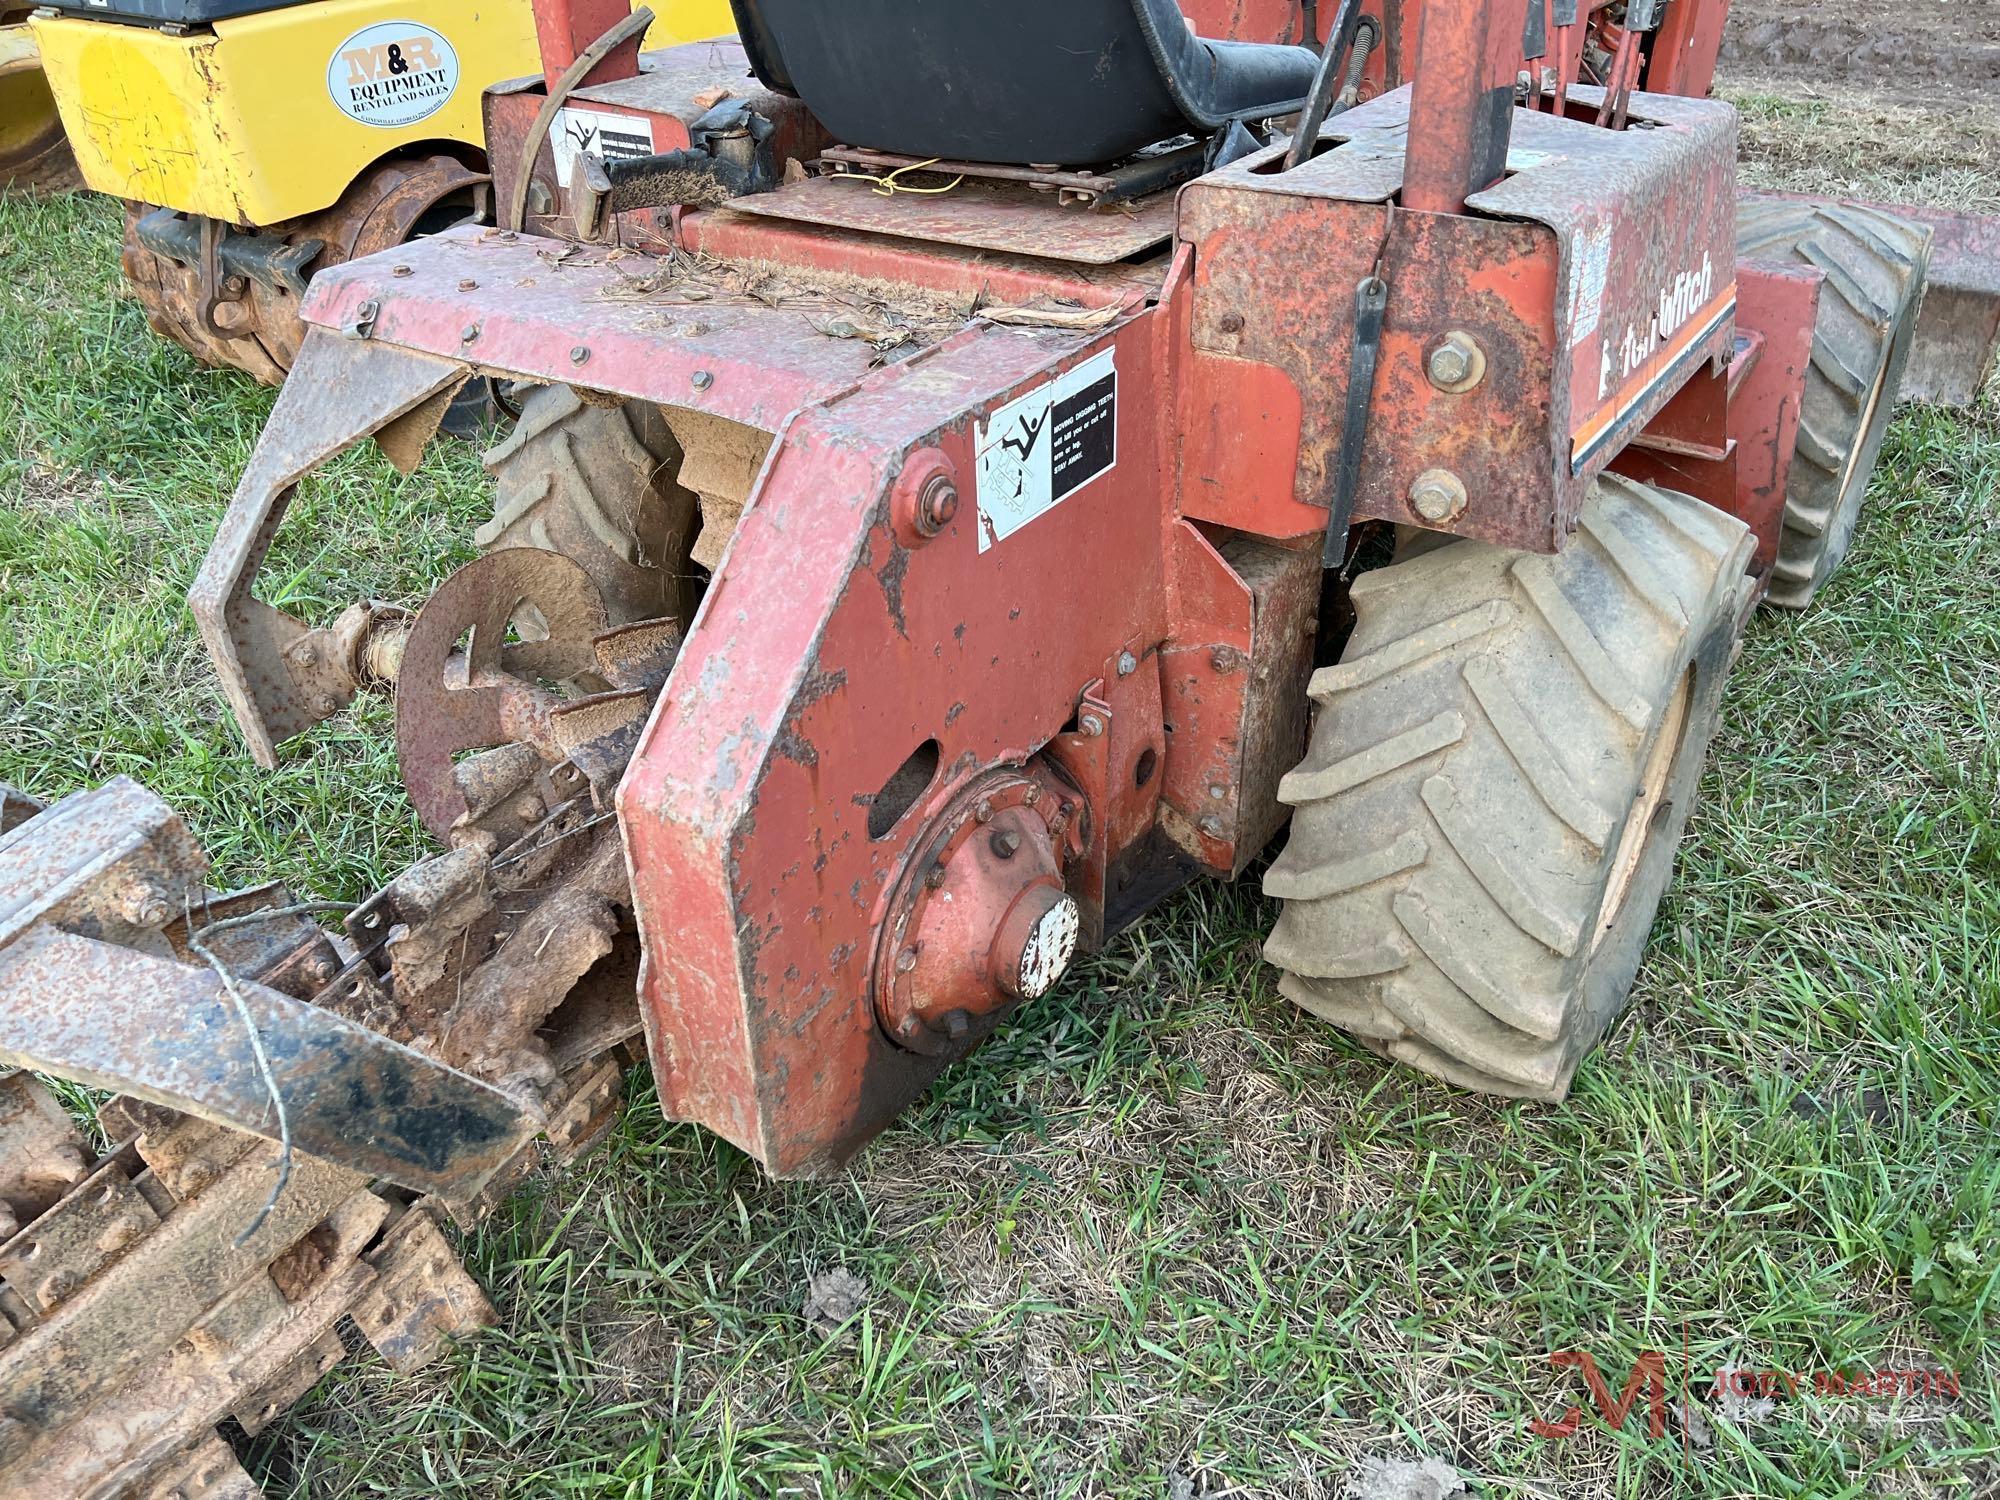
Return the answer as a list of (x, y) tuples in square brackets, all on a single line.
[(901, 665)]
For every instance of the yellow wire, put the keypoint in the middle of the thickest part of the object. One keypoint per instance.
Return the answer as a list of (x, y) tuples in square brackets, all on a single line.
[(886, 186)]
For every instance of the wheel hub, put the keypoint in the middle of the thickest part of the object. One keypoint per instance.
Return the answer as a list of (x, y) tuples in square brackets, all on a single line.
[(980, 921)]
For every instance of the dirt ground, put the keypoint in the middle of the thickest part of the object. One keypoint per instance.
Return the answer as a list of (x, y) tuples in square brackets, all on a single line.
[(1854, 96)]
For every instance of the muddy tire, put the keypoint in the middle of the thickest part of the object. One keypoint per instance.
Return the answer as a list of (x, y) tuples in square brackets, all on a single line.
[(34, 153), (1500, 767), (259, 331), (1875, 266), (597, 484), (46, 171)]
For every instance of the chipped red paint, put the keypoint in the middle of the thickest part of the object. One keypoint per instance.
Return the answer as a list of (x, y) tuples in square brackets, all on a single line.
[(1137, 653), (1559, 273)]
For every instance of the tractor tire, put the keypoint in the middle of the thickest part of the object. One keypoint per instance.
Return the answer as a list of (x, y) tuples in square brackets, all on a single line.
[(598, 484), (1500, 767), (1875, 266)]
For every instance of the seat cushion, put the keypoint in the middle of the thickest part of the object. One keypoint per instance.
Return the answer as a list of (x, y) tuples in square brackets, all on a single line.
[(1055, 82)]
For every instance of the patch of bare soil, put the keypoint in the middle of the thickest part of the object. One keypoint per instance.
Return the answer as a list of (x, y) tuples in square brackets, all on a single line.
[(1949, 49), (1859, 98)]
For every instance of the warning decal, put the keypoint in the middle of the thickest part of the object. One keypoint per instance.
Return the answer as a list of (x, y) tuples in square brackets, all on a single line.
[(1045, 446), (599, 133), (391, 74)]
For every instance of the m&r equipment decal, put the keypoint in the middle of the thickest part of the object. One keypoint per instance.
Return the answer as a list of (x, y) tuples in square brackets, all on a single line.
[(392, 74)]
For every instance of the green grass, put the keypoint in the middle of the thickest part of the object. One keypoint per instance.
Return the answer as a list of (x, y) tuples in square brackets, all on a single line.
[(1166, 1235)]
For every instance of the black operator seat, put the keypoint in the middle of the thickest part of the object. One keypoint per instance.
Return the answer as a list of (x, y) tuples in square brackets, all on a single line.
[(1056, 82)]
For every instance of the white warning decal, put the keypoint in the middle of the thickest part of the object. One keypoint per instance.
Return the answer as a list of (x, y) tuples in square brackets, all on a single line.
[(1040, 448), (392, 74), (599, 133), (1588, 275)]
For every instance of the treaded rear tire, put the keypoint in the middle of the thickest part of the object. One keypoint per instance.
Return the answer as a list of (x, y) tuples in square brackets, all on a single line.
[(1875, 266), (1476, 759), (597, 484)]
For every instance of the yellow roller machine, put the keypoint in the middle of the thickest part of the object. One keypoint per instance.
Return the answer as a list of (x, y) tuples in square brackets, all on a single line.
[(256, 143)]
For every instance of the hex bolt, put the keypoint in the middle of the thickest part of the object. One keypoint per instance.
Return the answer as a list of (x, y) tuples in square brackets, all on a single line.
[(1457, 364), (471, 332), (1218, 792), (907, 1026), (508, 236), (1031, 794), (956, 1024), (984, 811), (326, 705), (937, 504), (468, 285), (579, 354), (399, 270), (143, 903), (1212, 826), (1090, 726), (1127, 663), (1004, 843), (935, 877), (702, 380), (906, 960), (321, 967), (1438, 495), (1231, 322)]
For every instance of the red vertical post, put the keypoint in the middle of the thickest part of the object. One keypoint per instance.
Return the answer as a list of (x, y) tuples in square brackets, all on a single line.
[(563, 28), (1461, 100), (1684, 52)]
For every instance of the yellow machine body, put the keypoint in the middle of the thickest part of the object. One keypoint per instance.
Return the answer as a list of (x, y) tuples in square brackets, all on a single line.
[(262, 118)]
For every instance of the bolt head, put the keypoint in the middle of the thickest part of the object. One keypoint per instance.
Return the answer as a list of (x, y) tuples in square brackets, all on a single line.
[(468, 285), (1457, 364), (1438, 495), (1127, 663), (144, 903), (470, 333), (1211, 826), (1449, 366), (984, 811), (1090, 726), (906, 960), (936, 505), (702, 380), (1004, 843), (399, 270), (578, 355)]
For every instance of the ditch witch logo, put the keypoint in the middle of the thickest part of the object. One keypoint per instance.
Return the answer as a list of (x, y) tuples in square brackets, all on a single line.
[(1648, 1378)]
